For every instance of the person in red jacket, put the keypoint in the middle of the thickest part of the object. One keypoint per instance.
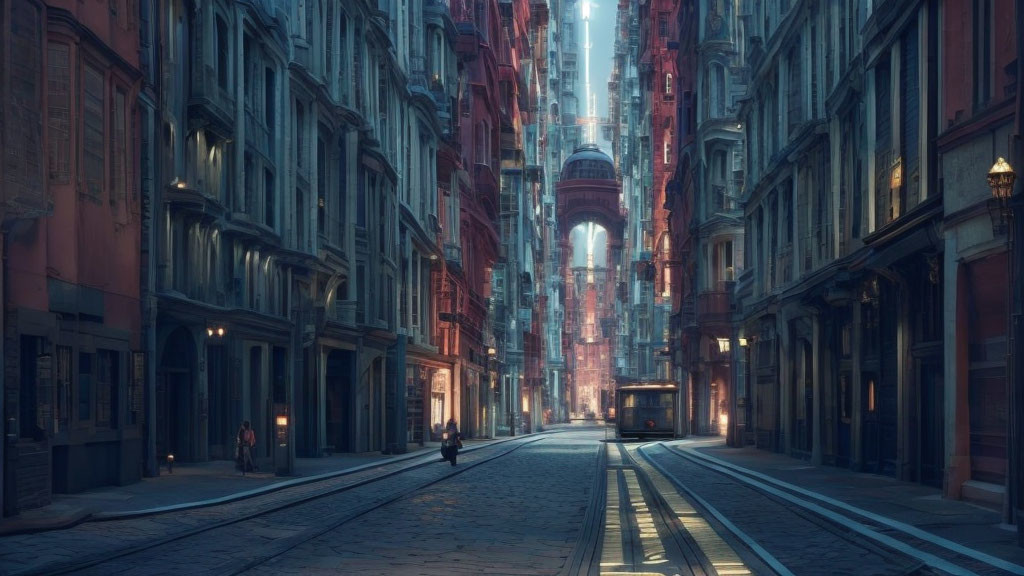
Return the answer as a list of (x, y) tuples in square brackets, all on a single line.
[(246, 442)]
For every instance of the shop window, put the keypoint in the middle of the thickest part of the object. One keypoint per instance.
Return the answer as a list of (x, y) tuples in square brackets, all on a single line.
[(84, 386), (107, 381)]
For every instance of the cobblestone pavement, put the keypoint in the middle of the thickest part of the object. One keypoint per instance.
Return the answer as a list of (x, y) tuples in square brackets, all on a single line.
[(520, 514), (803, 541), (532, 505), (211, 552), (800, 541)]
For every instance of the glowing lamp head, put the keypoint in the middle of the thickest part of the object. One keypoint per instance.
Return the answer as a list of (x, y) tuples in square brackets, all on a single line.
[(585, 8), (1000, 179), (282, 421)]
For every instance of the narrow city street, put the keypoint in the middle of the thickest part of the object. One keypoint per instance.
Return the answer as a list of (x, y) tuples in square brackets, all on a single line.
[(565, 502)]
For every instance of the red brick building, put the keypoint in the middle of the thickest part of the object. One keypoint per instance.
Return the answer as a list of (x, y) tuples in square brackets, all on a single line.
[(659, 78), (680, 196), (478, 29), (72, 315)]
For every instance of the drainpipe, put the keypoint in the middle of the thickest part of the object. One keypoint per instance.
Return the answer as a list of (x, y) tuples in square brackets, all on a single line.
[(3, 391), (1014, 336)]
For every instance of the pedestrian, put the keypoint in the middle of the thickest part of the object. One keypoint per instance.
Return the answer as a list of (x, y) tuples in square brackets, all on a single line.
[(452, 441), (246, 442), (453, 430)]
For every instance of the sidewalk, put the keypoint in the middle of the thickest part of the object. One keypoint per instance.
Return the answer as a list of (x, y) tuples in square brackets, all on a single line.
[(197, 484), (920, 506)]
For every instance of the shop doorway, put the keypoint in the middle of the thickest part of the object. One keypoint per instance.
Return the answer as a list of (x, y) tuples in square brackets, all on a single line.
[(340, 370), (175, 415)]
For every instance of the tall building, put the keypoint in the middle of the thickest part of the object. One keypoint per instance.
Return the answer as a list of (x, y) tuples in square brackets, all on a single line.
[(714, 253), (875, 331), (972, 444), (644, 76), (71, 234), (681, 197)]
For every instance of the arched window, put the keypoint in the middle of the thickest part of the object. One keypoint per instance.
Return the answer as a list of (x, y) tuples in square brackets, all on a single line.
[(668, 83)]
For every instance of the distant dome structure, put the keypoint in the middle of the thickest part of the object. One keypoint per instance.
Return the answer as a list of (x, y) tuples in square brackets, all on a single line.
[(588, 162)]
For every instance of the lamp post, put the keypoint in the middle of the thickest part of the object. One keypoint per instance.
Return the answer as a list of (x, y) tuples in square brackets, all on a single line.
[(1001, 207), (746, 344)]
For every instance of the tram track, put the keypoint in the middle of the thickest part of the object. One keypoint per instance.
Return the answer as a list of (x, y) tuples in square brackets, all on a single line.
[(856, 541), (264, 532), (650, 528)]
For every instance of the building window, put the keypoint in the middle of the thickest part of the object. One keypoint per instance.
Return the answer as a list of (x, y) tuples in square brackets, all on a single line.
[(107, 376), (668, 83), (268, 99), (886, 204), (119, 154), (300, 129), (663, 26), (383, 106), (58, 112), (84, 386), (982, 52), (329, 40), (222, 53), (343, 61), (300, 218), (93, 131), (268, 197), (415, 284), (321, 186), (365, 182)]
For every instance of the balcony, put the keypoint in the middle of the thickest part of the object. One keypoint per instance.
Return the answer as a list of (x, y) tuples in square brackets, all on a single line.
[(713, 308), (418, 71), (207, 98), (453, 254)]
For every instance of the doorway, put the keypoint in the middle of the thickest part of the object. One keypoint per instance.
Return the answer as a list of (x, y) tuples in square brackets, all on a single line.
[(339, 372), (221, 437), (175, 417), (307, 407)]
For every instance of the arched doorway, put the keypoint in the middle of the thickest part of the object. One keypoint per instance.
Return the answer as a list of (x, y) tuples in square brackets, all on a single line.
[(175, 416), (340, 372)]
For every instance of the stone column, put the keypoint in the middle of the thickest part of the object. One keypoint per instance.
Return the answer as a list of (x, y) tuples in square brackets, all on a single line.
[(857, 394), (817, 436)]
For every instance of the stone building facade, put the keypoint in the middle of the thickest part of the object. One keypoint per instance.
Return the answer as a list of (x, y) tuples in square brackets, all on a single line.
[(306, 238), (870, 298)]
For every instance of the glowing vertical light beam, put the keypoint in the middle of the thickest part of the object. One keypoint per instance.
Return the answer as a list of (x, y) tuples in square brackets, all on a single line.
[(585, 9)]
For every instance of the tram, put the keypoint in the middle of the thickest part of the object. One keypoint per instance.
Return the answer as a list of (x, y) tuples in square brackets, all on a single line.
[(646, 409)]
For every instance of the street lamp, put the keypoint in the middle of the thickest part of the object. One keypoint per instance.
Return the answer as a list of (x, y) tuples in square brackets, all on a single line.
[(746, 344), (1001, 207), (1000, 179)]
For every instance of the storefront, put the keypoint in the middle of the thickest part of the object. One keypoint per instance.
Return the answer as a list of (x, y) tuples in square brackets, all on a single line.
[(428, 402)]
